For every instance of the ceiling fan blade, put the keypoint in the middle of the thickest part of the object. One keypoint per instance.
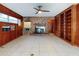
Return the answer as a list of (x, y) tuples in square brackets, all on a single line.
[(36, 9), (45, 10), (36, 13)]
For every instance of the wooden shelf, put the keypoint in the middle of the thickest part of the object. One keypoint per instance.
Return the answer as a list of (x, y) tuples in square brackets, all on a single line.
[(62, 25), (57, 25), (69, 24)]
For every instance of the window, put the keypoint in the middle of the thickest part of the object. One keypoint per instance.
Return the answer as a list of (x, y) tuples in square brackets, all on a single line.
[(9, 19), (13, 20), (27, 24), (3, 17), (19, 22)]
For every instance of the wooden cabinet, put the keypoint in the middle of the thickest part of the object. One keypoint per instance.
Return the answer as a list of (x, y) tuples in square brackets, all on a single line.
[(76, 25), (6, 36), (0, 35), (57, 25), (13, 34), (68, 20), (69, 24), (13, 31), (62, 26), (51, 25)]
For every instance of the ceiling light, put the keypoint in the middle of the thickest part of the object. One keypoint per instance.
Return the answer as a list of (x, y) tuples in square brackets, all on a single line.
[(39, 12)]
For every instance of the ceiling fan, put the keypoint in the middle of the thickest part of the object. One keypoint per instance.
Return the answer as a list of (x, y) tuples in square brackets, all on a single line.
[(40, 10)]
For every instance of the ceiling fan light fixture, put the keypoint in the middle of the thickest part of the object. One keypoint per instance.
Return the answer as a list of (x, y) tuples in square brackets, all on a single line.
[(40, 12)]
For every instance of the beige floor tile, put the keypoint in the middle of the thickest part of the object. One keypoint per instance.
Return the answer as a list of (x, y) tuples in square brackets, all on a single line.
[(38, 45)]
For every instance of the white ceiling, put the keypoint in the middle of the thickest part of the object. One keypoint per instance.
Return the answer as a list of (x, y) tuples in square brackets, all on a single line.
[(26, 9)]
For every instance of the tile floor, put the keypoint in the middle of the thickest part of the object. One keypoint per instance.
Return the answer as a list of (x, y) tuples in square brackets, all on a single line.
[(38, 45)]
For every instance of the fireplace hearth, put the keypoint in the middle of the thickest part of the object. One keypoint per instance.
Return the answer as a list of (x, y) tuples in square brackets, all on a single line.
[(40, 29)]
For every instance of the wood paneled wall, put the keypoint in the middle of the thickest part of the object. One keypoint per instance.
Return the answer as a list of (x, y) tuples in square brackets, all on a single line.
[(6, 37), (68, 23)]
